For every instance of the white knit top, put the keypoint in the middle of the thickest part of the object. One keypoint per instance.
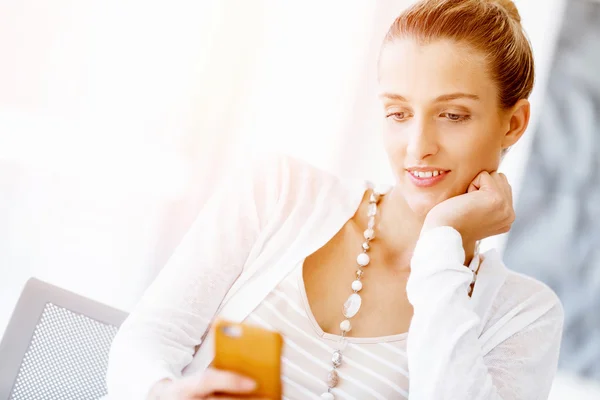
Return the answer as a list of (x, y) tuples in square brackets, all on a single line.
[(500, 343)]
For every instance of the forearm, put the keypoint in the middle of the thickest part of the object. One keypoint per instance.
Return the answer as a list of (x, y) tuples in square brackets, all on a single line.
[(160, 336), (447, 357), (444, 354)]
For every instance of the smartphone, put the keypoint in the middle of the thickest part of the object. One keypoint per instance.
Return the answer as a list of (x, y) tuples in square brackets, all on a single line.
[(251, 351)]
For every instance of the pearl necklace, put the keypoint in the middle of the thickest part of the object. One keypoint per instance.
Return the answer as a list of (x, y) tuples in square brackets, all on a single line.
[(353, 303)]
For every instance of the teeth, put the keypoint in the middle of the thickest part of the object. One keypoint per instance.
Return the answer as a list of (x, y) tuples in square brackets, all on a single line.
[(428, 174)]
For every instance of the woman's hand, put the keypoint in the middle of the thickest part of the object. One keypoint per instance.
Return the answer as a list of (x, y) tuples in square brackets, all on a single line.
[(206, 385), (485, 210)]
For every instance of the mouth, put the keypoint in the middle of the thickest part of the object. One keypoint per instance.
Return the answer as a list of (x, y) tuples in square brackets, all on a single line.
[(426, 177)]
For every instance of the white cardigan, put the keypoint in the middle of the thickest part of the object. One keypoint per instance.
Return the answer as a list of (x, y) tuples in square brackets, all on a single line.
[(501, 343)]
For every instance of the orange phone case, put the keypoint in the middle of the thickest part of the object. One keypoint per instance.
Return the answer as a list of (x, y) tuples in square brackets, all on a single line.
[(251, 351)]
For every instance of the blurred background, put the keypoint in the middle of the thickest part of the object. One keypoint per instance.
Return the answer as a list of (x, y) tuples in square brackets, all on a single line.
[(118, 118)]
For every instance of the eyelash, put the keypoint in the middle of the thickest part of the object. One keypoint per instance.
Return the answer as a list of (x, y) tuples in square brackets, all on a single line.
[(461, 118), (394, 114)]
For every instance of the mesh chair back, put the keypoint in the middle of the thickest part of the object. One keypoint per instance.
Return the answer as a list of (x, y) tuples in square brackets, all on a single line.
[(56, 346)]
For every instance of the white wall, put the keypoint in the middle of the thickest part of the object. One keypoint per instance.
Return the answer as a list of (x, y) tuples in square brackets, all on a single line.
[(96, 103), (117, 117)]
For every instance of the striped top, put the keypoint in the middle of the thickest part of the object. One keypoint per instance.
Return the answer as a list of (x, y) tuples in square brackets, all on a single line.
[(373, 368)]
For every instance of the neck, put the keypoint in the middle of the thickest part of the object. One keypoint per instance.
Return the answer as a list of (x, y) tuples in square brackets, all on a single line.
[(399, 228)]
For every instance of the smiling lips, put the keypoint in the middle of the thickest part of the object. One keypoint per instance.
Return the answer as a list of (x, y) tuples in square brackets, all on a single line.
[(426, 177)]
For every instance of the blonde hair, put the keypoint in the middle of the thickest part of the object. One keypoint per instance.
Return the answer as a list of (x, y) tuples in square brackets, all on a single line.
[(492, 27)]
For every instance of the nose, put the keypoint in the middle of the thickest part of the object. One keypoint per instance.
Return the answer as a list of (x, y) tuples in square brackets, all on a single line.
[(422, 141)]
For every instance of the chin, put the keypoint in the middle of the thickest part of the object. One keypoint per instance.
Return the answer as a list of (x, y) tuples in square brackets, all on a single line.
[(422, 200), (421, 203)]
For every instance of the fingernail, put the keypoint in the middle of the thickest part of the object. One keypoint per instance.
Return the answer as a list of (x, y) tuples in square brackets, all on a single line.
[(248, 384)]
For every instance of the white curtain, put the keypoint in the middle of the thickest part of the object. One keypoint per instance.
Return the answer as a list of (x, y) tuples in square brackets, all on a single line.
[(117, 118)]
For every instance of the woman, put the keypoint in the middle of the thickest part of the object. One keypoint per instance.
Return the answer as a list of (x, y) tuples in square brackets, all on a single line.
[(285, 245)]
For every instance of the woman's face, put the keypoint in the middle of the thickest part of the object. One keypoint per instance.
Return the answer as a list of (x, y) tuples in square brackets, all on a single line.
[(443, 121)]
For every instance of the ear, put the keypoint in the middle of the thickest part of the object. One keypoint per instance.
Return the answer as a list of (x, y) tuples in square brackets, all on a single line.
[(518, 120)]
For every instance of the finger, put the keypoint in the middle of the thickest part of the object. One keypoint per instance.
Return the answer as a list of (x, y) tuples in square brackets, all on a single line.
[(501, 179), (482, 180), (502, 185), (504, 229), (505, 185), (473, 187), (476, 182), (217, 381), (509, 192)]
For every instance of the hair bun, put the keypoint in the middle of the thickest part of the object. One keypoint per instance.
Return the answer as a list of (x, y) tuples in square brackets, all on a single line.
[(510, 7)]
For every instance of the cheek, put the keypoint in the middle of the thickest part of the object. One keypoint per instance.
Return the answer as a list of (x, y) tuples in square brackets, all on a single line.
[(478, 152), (394, 146), (467, 149), (483, 150)]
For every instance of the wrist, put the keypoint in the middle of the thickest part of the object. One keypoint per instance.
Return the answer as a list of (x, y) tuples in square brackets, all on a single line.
[(432, 223), (437, 247)]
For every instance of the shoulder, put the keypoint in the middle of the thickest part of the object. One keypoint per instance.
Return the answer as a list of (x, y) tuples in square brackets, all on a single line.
[(524, 297), (282, 184), (522, 288), (277, 168), (292, 178), (285, 168)]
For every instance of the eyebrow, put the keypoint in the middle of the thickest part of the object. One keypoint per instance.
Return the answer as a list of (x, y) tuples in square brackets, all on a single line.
[(444, 97), (454, 96)]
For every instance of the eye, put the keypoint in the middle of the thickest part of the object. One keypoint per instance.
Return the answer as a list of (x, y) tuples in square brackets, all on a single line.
[(398, 116), (456, 117)]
